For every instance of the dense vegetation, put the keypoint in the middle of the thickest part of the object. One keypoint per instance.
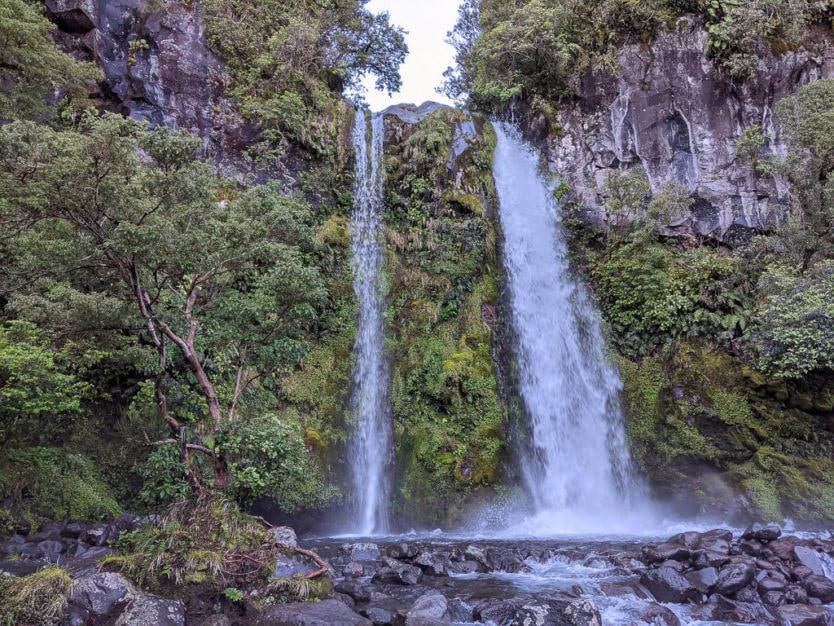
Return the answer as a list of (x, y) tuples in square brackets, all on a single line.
[(539, 50), (164, 329)]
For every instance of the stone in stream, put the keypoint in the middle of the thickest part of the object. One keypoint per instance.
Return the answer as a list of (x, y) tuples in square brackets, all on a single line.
[(432, 563), (665, 552), (703, 579), (762, 532), (356, 590), (810, 558), (669, 585), (324, 613), (431, 609), (402, 575), (378, 615), (819, 587), (803, 615), (733, 578), (353, 570), (401, 551), (540, 610), (361, 551), (658, 615)]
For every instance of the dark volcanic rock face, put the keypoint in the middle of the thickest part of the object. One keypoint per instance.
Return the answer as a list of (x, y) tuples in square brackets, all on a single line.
[(157, 66), (670, 111)]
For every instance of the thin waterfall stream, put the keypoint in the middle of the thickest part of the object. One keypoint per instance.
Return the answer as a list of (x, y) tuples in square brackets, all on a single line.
[(370, 448), (576, 467)]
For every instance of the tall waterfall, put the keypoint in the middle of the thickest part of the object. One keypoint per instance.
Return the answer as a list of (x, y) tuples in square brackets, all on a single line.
[(577, 467), (370, 446)]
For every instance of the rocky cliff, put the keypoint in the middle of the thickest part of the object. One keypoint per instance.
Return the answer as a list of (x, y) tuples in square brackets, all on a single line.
[(671, 110), (157, 67)]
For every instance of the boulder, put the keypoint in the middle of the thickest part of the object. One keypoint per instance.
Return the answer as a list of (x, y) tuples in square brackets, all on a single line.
[(74, 16), (401, 551), (361, 551), (810, 558), (98, 593), (689, 539), (803, 615), (324, 613), (703, 579), (284, 535), (819, 587), (762, 532), (216, 620), (542, 610), (73, 530), (144, 609), (288, 565), (784, 546), (666, 552), (668, 585), (356, 590), (431, 609), (733, 578)]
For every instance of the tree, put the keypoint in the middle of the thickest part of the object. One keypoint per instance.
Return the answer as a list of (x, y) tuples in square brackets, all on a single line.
[(222, 291), (32, 69)]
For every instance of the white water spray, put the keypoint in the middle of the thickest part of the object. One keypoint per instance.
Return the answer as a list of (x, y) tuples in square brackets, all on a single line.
[(370, 446), (577, 466)]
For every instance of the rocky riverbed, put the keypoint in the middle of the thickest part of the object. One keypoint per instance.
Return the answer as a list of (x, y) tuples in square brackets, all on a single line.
[(759, 576)]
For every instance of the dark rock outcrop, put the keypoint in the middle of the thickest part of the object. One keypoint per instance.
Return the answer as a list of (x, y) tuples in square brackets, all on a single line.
[(672, 112), (325, 613)]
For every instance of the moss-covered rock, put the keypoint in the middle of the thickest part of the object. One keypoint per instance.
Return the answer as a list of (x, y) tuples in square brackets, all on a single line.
[(442, 276), (709, 431)]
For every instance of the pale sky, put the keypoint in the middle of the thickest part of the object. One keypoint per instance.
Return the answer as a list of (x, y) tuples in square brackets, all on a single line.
[(427, 22)]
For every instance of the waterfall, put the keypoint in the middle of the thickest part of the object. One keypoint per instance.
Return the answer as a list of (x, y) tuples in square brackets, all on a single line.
[(370, 445), (576, 464)]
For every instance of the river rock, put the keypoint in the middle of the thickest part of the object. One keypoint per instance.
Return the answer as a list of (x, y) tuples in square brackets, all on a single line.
[(733, 578), (144, 609), (402, 575), (819, 587), (324, 613), (431, 609), (721, 609), (432, 563), (666, 552), (784, 546), (378, 615), (353, 570), (289, 565), (810, 558), (668, 585), (361, 551), (284, 535), (401, 551), (708, 558), (703, 579), (356, 590), (803, 615), (541, 610), (98, 593), (762, 532), (658, 615)]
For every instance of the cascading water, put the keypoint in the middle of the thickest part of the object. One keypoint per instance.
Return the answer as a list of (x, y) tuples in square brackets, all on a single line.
[(577, 467), (370, 446)]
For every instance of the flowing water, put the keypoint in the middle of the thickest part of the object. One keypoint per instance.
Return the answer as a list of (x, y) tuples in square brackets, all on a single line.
[(370, 446), (576, 464)]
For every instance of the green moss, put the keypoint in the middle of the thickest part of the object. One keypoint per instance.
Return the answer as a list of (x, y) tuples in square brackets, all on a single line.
[(36, 599), (47, 484), (442, 277)]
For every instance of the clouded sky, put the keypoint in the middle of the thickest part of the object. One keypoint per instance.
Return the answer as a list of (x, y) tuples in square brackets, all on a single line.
[(427, 22)]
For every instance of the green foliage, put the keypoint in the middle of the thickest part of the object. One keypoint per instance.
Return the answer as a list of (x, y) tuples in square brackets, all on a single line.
[(233, 594), (652, 294), (36, 599), (48, 484), (112, 215), (291, 61), (163, 479), (268, 458), (190, 543), (737, 28), (32, 69), (795, 328), (442, 281), (38, 398), (626, 194)]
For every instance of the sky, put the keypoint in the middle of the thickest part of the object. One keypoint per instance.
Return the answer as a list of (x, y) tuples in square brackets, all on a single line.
[(427, 22)]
